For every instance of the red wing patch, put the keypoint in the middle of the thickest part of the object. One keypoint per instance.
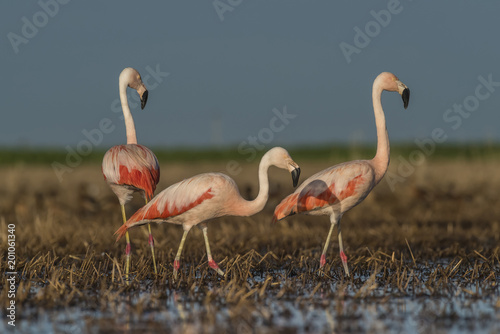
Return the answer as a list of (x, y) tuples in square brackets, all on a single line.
[(286, 208), (145, 179), (349, 190), (150, 211), (132, 165), (317, 194), (309, 201)]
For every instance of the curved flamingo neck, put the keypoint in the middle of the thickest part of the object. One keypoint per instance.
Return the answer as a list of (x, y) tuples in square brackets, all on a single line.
[(381, 160), (248, 208), (129, 121)]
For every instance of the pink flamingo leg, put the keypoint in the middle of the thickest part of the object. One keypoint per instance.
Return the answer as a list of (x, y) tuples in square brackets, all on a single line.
[(323, 255), (211, 261), (322, 261), (335, 221), (152, 244), (343, 257), (178, 256), (151, 240), (127, 247)]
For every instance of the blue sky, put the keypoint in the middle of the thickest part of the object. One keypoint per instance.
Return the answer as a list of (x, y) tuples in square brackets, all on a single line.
[(230, 72)]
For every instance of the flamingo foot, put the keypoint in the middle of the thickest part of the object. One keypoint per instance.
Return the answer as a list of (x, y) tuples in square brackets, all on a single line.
[(343, 257), (177, 265), (215, 267), (322, 261)]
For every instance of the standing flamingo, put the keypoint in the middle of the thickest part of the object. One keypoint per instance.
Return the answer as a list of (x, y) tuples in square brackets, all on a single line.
[(337, 189), (206, 196), (131, 167)]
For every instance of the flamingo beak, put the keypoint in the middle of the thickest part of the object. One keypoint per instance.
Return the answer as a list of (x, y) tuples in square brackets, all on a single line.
[(144, 99), (406, 97), (295, 176)]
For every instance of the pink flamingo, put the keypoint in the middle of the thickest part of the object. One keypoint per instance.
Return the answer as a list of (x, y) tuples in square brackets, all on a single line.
[(131, 167), (337, 189), (206, 196)]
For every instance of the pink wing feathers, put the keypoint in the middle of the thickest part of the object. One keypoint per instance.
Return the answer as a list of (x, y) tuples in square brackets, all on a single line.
[(173, 201), (133, 165), (323, 189)]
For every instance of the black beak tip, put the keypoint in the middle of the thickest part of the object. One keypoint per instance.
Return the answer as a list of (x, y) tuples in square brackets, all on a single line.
[(295, 176), (144, 99), (406, 97)]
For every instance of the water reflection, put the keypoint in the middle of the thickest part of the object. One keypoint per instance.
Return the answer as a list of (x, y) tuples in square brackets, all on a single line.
[(179, 313)]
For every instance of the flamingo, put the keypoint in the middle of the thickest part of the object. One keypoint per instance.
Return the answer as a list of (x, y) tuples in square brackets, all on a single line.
[(339, 188), (131, 167), (200, 198)]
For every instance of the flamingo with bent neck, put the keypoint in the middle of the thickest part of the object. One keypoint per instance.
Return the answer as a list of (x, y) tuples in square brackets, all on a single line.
[(207, 196), (131, 167), (337, 189)]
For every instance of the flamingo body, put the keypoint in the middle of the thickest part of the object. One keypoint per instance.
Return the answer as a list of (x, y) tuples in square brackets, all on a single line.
[(129, 168), (189, 202), (207, 196), (338, 189), (335, 189)]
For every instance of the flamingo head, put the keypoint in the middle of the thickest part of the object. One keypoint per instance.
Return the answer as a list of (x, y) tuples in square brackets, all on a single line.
[(280, 158), (133, 79), (390, 82)]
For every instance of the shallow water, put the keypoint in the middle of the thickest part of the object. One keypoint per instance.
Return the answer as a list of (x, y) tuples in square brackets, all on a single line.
[(398, 315), (331, 307)]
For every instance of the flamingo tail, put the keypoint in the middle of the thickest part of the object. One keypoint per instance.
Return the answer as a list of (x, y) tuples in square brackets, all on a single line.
[(286, 208)]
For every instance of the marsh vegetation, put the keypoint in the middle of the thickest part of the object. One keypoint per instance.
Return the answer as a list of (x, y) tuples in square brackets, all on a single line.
[(425, 257)]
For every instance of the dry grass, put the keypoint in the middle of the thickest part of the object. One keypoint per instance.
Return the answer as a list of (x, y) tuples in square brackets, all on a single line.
[(438, 235)]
